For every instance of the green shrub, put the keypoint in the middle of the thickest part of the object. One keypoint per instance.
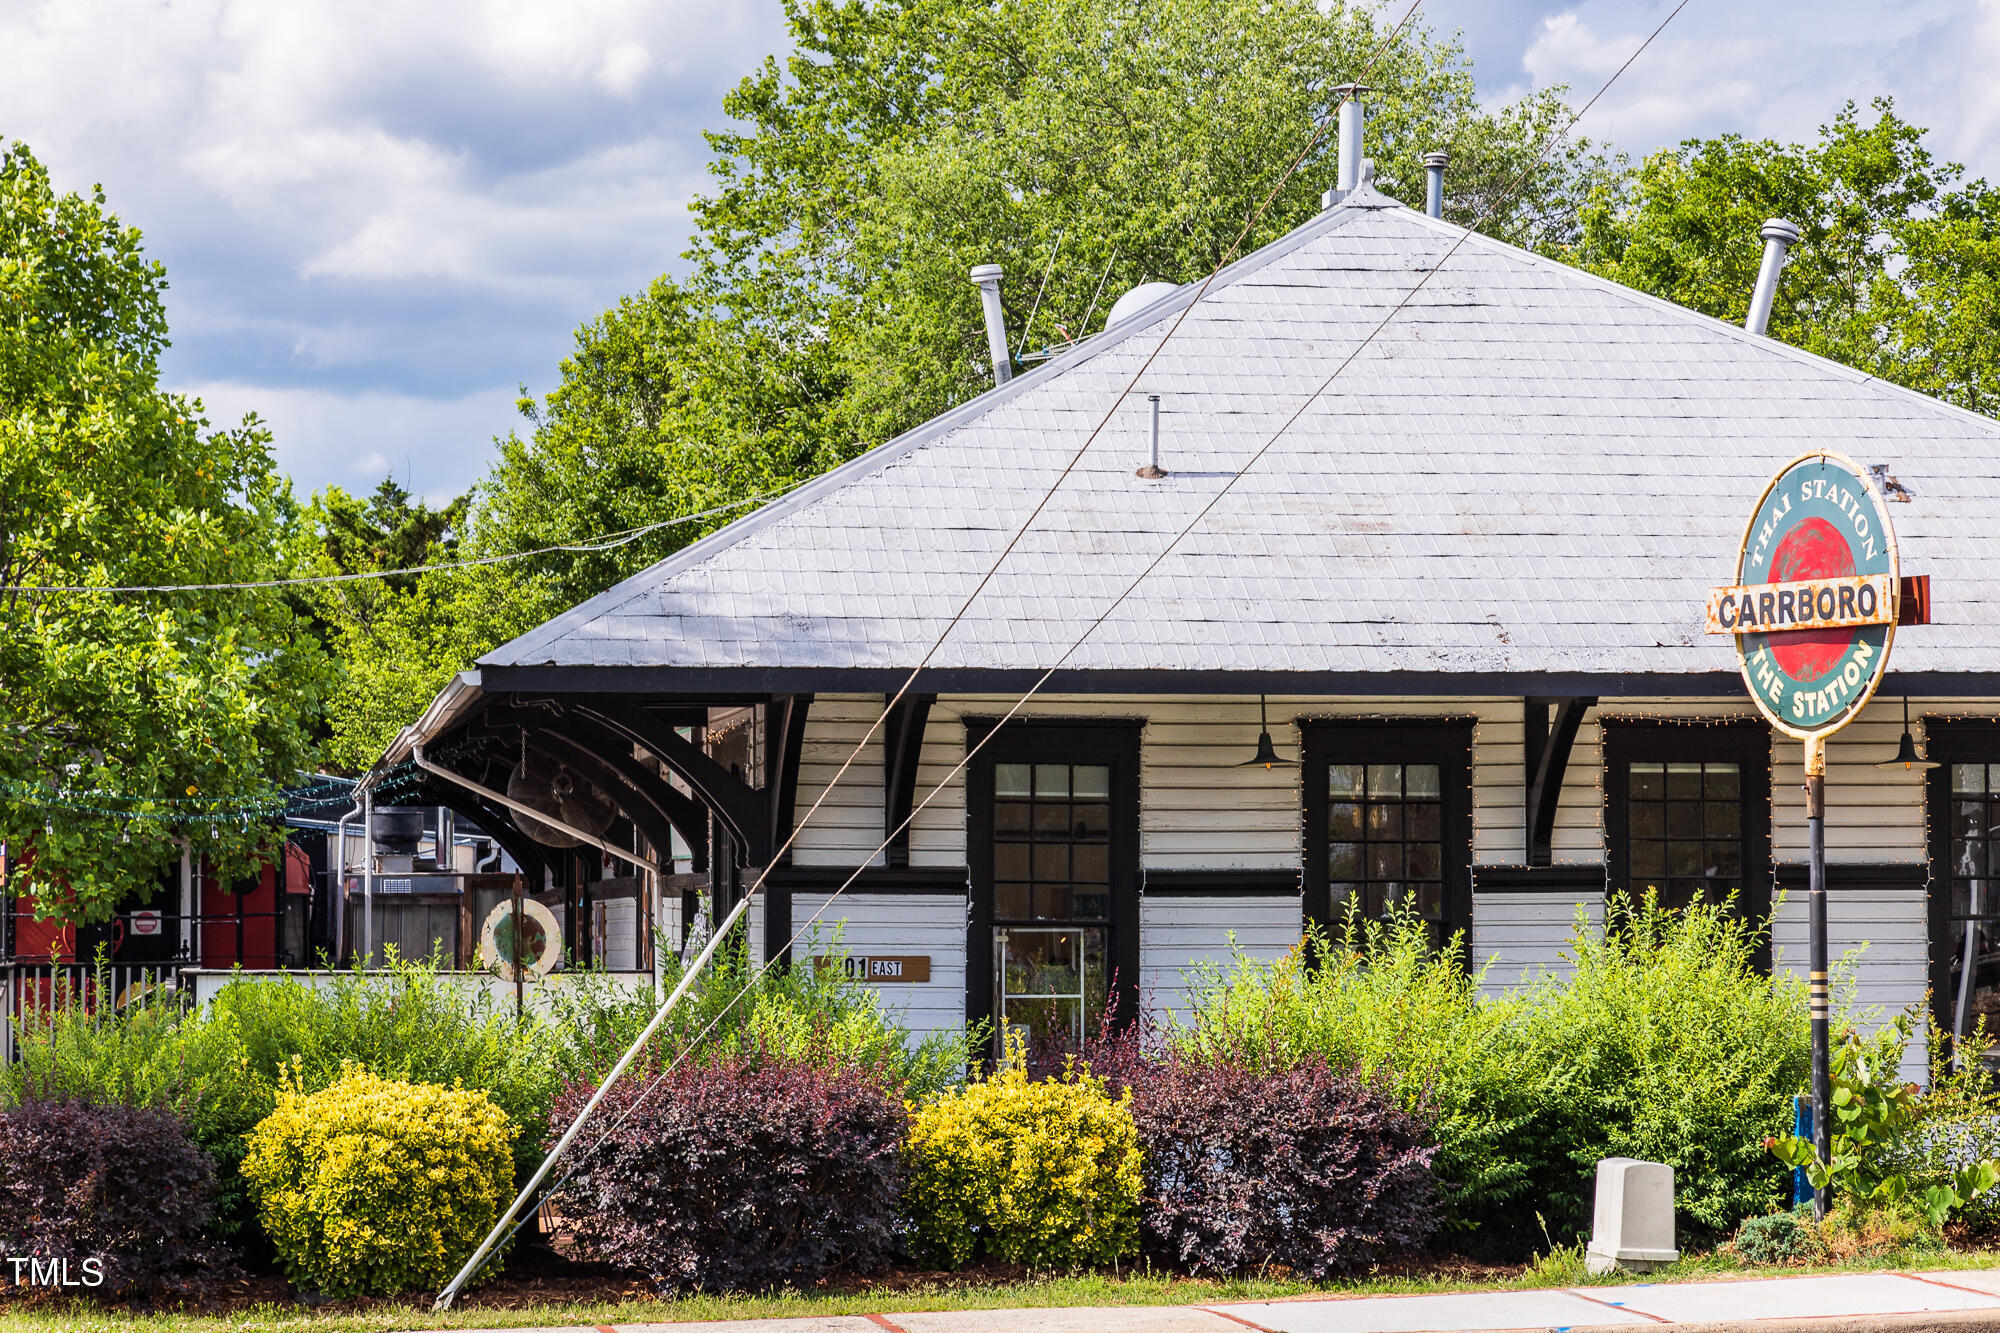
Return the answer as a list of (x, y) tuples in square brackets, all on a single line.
[(1384, 1006), (1667, 1044), (372, 1186), (157, 1054), (403, 1020), (1662, 1041), (1878, 1156), (1039, 1172), (1776, 1238)]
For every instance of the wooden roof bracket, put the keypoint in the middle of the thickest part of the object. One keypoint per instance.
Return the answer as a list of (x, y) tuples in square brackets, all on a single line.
[(784, 741), (733, 801), (1548, 731), (903, 745)]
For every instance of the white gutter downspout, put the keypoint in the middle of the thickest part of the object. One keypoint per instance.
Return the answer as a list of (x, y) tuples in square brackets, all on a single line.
[(502, 799), (340, 881), (368, 875)]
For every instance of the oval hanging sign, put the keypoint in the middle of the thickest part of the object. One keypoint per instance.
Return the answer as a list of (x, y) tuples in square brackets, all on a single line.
[(1813, 608)]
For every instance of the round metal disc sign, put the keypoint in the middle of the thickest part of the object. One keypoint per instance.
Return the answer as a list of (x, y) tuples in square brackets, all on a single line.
[(1813, 609)]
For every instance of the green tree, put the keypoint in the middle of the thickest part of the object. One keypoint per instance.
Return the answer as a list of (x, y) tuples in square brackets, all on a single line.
[(365, 621), (1106, 142), (181, 710), (1897, 268)]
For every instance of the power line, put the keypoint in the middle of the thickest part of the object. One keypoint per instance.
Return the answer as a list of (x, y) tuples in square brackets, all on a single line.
[(1514, 189), (609, 542), (1291, 169)]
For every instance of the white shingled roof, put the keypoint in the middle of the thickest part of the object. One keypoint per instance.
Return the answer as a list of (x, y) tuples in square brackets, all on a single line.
[(1530, 470)]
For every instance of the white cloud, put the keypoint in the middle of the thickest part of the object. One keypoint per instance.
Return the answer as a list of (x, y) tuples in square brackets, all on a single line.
[(624, 65), (370, 204), (354, 439), (1777, 70)]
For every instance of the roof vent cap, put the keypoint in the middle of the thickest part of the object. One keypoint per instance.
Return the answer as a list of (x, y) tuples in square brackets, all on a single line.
[(1132, 302)]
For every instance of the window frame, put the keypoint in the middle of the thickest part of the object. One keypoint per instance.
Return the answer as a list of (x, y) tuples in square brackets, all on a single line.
[(1444, 741), (1113, 742), (1746, 742), (1972, 741)]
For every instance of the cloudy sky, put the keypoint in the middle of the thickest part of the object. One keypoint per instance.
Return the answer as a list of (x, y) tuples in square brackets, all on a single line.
[(379, 217)]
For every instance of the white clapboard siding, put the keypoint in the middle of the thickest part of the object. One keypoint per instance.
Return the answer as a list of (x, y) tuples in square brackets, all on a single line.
[(897, 923), (1519, 935), (1874, 816), (1885, 935), (1177, 934), (847, 827), (1199, 809)]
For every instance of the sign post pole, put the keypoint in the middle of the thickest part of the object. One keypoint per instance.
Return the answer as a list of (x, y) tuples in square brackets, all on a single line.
[(1813, 613), (1818, 998)]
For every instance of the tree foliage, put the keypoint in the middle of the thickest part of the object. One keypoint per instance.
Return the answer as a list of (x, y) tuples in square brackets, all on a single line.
[(1085, 145), (1897, 268), (179, 709)]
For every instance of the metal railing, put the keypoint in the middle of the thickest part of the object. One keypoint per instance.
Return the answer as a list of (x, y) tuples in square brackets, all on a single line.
[(36, 992)]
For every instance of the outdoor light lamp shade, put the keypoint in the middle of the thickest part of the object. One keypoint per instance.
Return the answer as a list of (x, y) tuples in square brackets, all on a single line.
[(1906, 750), (1267, 753)]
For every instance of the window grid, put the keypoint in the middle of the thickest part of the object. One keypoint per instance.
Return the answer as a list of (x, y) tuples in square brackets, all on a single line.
[(1051, 842), (1684, 830), (1385, 843)]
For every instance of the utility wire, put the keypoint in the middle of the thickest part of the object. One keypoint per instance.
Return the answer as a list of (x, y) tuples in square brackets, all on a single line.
[(608, 542), (1519, 183), (1256, 216)]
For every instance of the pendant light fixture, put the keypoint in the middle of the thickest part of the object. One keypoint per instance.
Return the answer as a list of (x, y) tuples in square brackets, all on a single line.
[(1906, 751), (1267, 754)]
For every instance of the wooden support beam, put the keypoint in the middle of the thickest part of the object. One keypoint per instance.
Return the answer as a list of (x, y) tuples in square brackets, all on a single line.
[(784, 739), (630, 782), (740, 809), (1548, 732), (902, 748)]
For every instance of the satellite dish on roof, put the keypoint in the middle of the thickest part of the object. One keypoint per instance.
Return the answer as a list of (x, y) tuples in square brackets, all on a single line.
[(1132, 302)]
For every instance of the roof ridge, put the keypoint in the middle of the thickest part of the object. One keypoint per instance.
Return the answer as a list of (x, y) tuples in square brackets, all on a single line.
[(1839, 369), (880, 456)]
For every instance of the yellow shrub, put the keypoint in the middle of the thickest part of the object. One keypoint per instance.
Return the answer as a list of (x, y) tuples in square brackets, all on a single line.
[(1042, 1173), (371, 1187)]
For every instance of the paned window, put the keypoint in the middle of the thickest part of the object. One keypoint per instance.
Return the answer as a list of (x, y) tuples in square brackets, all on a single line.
[(1684, 825), (1687, 815), (1051, 842), (1385, 842), (1388, 816)]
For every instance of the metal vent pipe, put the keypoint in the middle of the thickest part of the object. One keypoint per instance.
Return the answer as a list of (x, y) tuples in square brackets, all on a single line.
[(1779, 237), (1434, 165), (987, 278), (1351, 121), (1153, 471)]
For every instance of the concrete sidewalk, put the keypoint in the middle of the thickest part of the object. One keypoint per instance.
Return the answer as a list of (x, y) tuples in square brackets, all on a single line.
[(1839, 1303)]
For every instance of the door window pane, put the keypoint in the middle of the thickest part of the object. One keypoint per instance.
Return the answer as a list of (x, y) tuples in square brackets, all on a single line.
[(1684, 831), (1050, 982), (1052, 897), (1973, 933)]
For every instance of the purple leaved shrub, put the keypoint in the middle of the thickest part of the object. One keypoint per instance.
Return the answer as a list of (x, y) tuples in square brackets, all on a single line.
[(112, 1198), (1254, 1162), (744, 1175)]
